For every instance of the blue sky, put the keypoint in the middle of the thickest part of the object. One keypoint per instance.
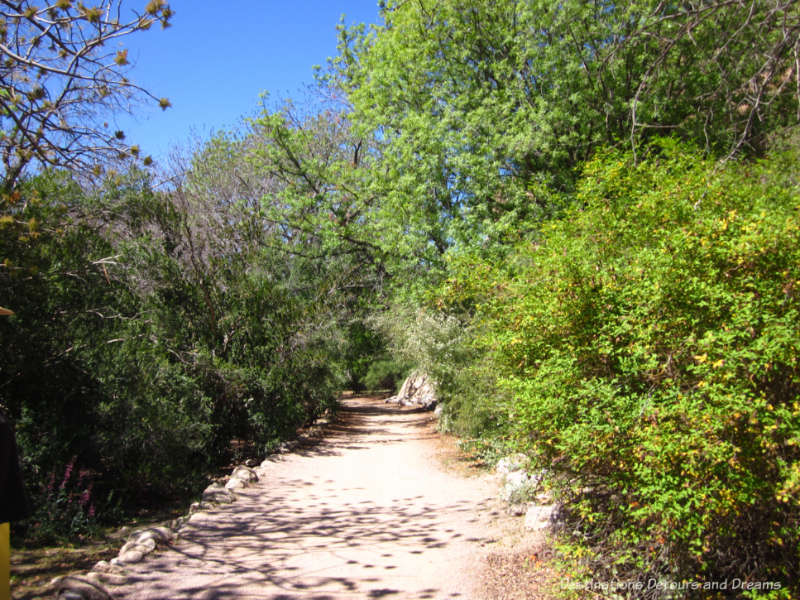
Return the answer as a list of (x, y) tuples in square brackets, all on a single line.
[(218, 57)]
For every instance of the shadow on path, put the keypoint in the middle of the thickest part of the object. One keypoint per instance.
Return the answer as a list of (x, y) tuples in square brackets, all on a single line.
[(362, 512)]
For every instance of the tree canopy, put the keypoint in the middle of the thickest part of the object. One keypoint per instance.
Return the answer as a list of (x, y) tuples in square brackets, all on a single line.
[(481, 109)]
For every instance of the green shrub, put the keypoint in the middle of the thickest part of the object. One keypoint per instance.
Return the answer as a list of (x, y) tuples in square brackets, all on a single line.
[(650, 343), (387, 374), (148, 360), (441, 344)]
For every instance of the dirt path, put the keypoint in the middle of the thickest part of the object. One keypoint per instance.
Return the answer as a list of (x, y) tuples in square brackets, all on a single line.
[(368, 512)]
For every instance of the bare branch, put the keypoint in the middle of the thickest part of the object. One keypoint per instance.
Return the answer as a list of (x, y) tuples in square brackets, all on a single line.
[(61, 76)]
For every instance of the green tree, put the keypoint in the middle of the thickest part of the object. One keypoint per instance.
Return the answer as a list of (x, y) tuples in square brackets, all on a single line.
[(479, 110)]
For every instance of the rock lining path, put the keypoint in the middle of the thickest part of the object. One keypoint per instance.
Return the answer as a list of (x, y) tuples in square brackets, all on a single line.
[(369, 511)]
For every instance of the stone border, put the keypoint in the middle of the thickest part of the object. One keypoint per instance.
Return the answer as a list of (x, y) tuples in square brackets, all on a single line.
[(520, 490), (92, 585)]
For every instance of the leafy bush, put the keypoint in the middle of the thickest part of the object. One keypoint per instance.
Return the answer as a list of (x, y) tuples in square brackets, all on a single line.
[(650, 343), (71, 498), (442, 345), (387, 373), (147, 348)]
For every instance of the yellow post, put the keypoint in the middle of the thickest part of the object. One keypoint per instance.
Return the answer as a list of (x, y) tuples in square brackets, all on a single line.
[(5, 541), (5, 563)]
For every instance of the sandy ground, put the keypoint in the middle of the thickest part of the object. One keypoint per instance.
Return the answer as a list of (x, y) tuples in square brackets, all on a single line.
[(370, 511)]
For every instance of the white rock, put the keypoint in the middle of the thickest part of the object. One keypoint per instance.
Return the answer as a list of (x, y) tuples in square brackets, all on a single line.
[(130, 557), (197, 517), (102, 567), (93, 577), (123, 531), (219, 495), (539, 516), (110, 578), (514, 485), (245, 474), (145, 545), (508, 464), (160, 534), (235, 484), (73, 587), (417, 390)]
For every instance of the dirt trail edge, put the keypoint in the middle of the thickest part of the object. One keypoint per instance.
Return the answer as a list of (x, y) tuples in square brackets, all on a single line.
[(368, 511)]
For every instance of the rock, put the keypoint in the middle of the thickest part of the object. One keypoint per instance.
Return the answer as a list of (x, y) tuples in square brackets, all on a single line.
[(235, 484), (145, 545), (417, 390), (289, 446), (113, 578), (79, 588), (509, 464), (160, 534), (517, 509), (437, 412), (540, 516), (250, 462), (218, 495), (176, 524), (245, 474), (517, 487), (130, 556), (102, 567), (105, 572), (517, 483), (266, 463), (198, 516), (94, 578)]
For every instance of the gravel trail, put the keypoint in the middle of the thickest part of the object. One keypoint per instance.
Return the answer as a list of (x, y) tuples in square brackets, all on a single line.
[(369, 511)]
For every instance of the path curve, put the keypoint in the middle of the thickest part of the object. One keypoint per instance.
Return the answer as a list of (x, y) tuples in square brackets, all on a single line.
[(369, 511)]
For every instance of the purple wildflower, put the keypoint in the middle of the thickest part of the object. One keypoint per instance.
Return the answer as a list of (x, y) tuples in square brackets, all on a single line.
[(68, 472), (86, 495)]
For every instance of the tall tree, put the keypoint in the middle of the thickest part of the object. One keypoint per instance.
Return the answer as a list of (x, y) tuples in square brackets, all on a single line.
[(479, 108), (62, 73)]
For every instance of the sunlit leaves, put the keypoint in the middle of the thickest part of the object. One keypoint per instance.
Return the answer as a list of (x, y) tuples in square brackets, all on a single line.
[(121, 58), (650, 341)]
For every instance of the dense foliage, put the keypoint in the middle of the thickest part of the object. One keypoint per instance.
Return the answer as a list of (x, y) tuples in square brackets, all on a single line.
[(479, 110), (145, 342), (650, 344), (485, 195)]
